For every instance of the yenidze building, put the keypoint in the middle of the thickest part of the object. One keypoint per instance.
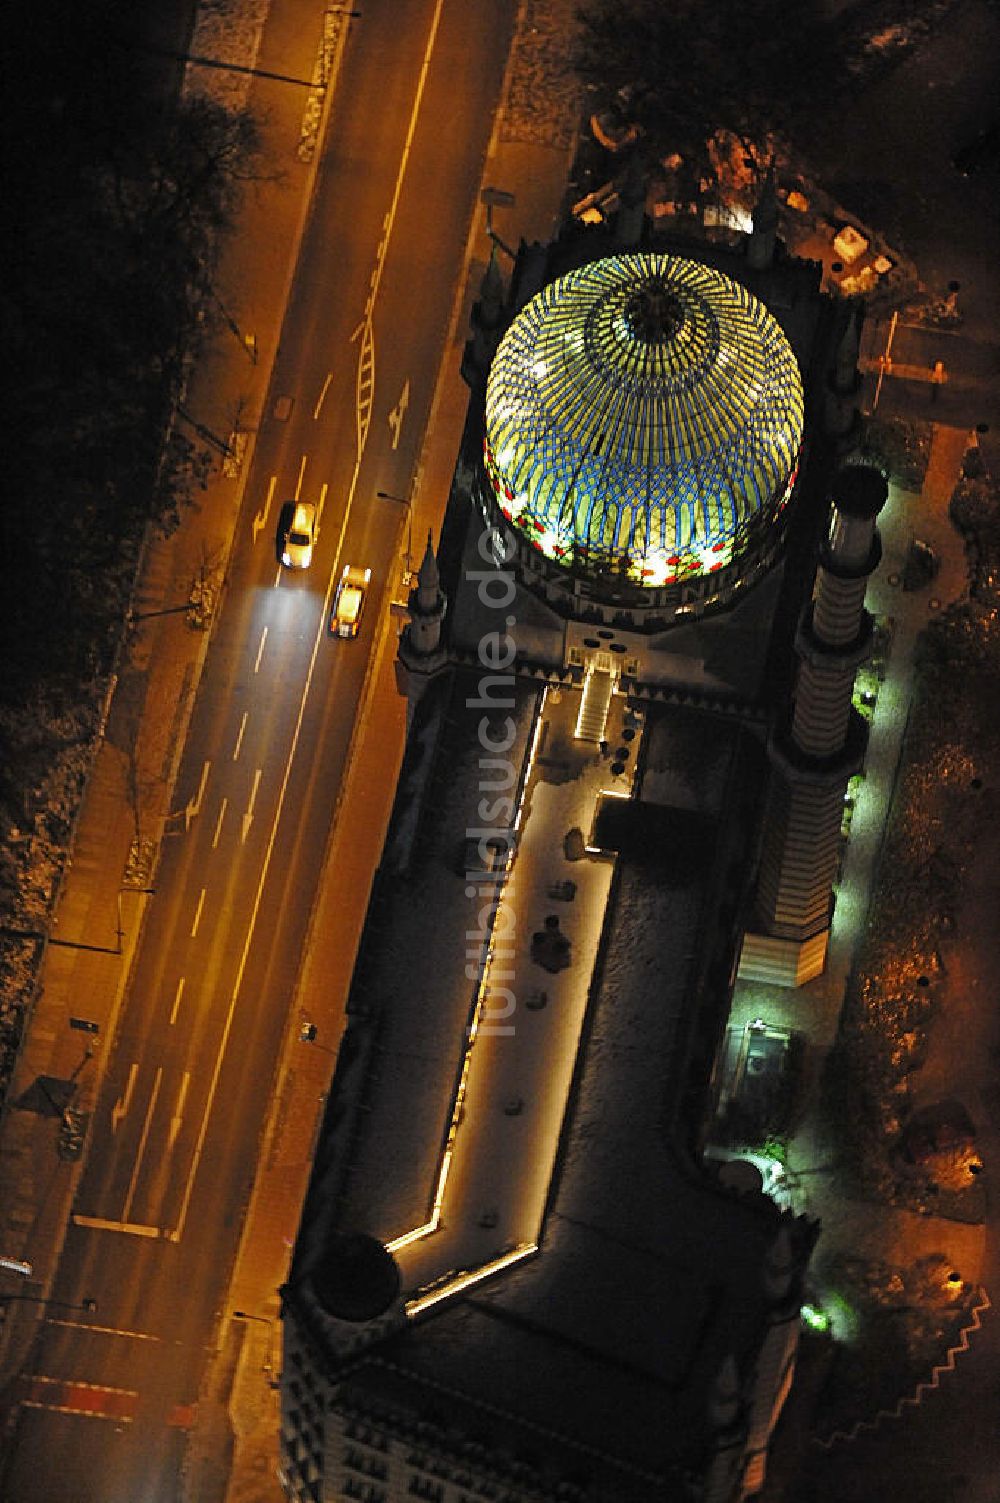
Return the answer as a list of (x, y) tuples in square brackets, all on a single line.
[(629, 666)]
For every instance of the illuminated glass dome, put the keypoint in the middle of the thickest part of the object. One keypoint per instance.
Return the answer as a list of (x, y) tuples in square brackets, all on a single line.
[(643, 418)]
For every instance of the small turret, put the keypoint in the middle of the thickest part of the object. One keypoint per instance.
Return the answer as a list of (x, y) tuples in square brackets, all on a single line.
[(428, 579), (420, 651), (486, 322), (427, 607)]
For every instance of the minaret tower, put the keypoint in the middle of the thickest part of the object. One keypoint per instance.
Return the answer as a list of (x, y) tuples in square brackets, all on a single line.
[(824, 746), (420, 652)]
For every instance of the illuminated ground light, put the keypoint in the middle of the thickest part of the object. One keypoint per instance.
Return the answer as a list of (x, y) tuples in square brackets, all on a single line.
[(842, 1319), (815, 1318)]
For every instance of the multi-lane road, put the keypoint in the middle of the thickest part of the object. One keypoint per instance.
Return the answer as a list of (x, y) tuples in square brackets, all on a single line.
[(108, 1396)]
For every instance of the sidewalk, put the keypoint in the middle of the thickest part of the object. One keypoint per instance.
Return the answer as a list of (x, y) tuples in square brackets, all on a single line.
[(866, 1229)]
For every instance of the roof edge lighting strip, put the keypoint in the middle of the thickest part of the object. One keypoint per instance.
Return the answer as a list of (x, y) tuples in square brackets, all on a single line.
[(468, 1279), (417, 1233)]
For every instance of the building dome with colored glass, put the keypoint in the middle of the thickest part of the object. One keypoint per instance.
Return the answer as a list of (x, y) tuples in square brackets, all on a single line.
[(644, 416)]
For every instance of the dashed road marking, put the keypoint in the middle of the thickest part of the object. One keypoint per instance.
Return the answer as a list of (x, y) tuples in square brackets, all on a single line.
[(218, 824), (239, 738), (326, 387), (81, 1325), (178, 1117), (70, 1396)]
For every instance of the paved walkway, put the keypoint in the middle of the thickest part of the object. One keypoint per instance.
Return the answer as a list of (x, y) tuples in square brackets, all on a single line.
[(851, 1226)]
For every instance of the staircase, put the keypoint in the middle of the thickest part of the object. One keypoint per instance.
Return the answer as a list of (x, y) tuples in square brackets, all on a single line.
[(594, 704)]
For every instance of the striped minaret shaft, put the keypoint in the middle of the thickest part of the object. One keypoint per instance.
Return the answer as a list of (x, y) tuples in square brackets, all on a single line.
[(826, 741)]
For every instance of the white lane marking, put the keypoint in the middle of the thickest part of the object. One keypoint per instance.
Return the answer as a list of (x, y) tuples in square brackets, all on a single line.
[(411, 131), (302, 471), (277, 577), (260, 520), (178, 1231), (218, 823), (197, 914), (132, 1228), (248, 816), (142, 1144), (326, 387), (177, 1002), (398, 413), (178, 1117), (322, 502), (124, 1101), (193, 807), (118, 1420), (82, 1325), (260, 649), (132, 1393), (239, 738)]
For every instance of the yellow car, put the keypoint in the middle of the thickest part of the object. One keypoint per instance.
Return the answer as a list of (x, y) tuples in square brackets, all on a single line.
[(349, 601), (300, 536)]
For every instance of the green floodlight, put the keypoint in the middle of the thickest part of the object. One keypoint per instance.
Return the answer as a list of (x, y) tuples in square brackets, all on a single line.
[(814, 1318)]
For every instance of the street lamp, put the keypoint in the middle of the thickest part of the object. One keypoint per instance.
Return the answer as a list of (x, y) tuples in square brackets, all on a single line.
[(87, 1304), (402, 501), (495, 198), (248, 342), (263, 1320)]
